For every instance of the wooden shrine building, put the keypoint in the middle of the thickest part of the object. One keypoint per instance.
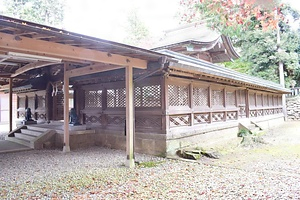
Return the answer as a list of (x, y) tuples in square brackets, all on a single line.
[(153, 102)]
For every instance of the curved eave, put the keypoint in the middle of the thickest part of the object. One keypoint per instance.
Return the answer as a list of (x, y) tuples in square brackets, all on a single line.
[(208, 45), (230, 49)]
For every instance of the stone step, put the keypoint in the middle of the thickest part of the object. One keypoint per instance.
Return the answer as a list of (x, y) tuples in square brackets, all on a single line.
[(35, 128), (254, 130), (25, 137), (251, 126), (19, 141), (32, 132)]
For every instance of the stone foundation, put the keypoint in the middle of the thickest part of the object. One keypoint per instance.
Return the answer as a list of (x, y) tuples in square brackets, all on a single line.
[(293, 108), (208, 136), (147, 143), (77, 140), (270, 121), (214, 135), (217, 135)]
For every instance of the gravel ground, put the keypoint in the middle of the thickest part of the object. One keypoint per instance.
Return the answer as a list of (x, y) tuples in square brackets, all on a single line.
[(269, 171)]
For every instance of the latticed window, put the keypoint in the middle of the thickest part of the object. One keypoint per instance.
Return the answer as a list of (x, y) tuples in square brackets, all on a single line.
[(217, 98), (41, 102), (242, 99), (280, 100), (200, 96), (22, 102), (31, 102), (137, 97), (230, 99), (116, 98), (147, 96), (266, 102), (178, 95), (93, 99), (275, 100), (259, 100), (252, 99), (271, 101)]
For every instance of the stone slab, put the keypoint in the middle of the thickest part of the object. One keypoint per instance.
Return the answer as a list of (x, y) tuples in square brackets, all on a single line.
[(8, 146)]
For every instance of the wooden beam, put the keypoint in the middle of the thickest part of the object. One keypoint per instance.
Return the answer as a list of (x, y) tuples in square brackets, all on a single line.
[(66, 147), (92, 69), (31, 66), (129, 117), (5, 87), (10, 105), (66, 52)]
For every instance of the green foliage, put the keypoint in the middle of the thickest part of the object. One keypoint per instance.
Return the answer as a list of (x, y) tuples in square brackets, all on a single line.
[(136, 30), (150, 164), (265, 57), (243, 133), (48, 12), (253, 30), (239, 66)]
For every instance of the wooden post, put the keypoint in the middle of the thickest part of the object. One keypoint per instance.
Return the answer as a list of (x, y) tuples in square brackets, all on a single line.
[(66, 147), (210, 104), (225, 104), (191, 102), (129, 117), (165, 104), (10, 104), (247, 104)]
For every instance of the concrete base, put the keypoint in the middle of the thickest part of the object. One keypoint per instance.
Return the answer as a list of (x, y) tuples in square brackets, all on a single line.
[(216, 135), (66, 149), (130, 163), (78, 139), (7, 146), (147, 143)]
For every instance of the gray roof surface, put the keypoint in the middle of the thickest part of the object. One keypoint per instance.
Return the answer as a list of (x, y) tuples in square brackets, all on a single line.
[(189, 32), (187, 63), (197, 38)]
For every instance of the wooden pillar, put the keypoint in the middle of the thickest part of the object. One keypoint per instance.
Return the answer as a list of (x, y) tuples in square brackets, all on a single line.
[(129, 117), (210, 104), (10, 104), (247, 104), (66, 147), (225, 104), (191, 102), (165, 104)]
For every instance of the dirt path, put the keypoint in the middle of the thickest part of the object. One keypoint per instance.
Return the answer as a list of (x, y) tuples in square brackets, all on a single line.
[(280, 154)]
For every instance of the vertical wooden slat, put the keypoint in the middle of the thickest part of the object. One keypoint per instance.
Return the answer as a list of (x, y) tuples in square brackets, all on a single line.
[(191, 98), (247, 104), (210, 104), (129, 117), (104, 118), (104, 98), (164, 102), (236, 102), (66, 147), (225, 104), (10, 104)]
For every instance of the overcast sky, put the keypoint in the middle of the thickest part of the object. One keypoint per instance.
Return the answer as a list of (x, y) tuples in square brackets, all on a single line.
[(107, 19)]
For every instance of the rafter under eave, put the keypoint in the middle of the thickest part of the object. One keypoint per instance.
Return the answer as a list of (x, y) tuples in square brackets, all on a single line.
[(66, 52), (31, 66), (91, 70)]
